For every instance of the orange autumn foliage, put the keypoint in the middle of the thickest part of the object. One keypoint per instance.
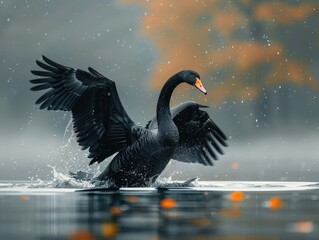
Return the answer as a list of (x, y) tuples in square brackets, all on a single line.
[(203, 35), (292, 71), (284, 13)]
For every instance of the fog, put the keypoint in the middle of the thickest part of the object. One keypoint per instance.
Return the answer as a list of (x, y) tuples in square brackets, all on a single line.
[(268, 110)]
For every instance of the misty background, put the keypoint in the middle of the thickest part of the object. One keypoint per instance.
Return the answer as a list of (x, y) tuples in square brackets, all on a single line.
[(258, 60)]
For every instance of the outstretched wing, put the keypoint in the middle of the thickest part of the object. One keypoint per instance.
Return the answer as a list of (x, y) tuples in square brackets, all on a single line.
[(200, 139), (99, 119)]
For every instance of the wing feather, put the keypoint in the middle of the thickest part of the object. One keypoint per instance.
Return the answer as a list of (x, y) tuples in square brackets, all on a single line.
[(99, 120), (200, 137)]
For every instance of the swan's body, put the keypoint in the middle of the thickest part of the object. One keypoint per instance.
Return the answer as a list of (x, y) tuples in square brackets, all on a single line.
[(184, 133)]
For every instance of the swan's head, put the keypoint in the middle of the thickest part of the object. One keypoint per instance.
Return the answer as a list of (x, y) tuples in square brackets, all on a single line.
[(191, 77)]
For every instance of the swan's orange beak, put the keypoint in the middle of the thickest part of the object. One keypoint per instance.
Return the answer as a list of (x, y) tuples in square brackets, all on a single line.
[(199, 86)]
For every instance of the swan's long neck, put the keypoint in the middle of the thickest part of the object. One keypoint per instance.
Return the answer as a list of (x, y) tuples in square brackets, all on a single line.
[(166, 126)]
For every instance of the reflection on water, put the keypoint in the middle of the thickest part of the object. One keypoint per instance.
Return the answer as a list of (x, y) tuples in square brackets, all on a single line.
[(159, 214)]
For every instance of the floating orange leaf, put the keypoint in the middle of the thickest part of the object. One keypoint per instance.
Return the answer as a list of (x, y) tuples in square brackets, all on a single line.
[(155, 237), (24, 198), (274, 203), (202, 222), (302, 227), (232, 212), (236, 196), (168, 203), (234, 165), (109, 229), (80, 235), (115, 210), (132, 199)]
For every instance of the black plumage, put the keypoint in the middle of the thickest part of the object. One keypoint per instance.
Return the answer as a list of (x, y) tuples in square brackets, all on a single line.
[(184, 133)]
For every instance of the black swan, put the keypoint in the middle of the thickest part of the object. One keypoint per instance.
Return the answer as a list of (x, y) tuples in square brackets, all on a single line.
[(184, 133)]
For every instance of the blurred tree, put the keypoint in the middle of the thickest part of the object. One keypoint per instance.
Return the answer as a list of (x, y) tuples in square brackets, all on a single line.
[(242, 46)]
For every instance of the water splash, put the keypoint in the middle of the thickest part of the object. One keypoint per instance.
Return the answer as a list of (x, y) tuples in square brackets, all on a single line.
[(61, 180), (169, 183), (69, 157)]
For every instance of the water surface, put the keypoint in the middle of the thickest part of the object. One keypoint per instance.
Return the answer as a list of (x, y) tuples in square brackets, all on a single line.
[(213, 210)]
